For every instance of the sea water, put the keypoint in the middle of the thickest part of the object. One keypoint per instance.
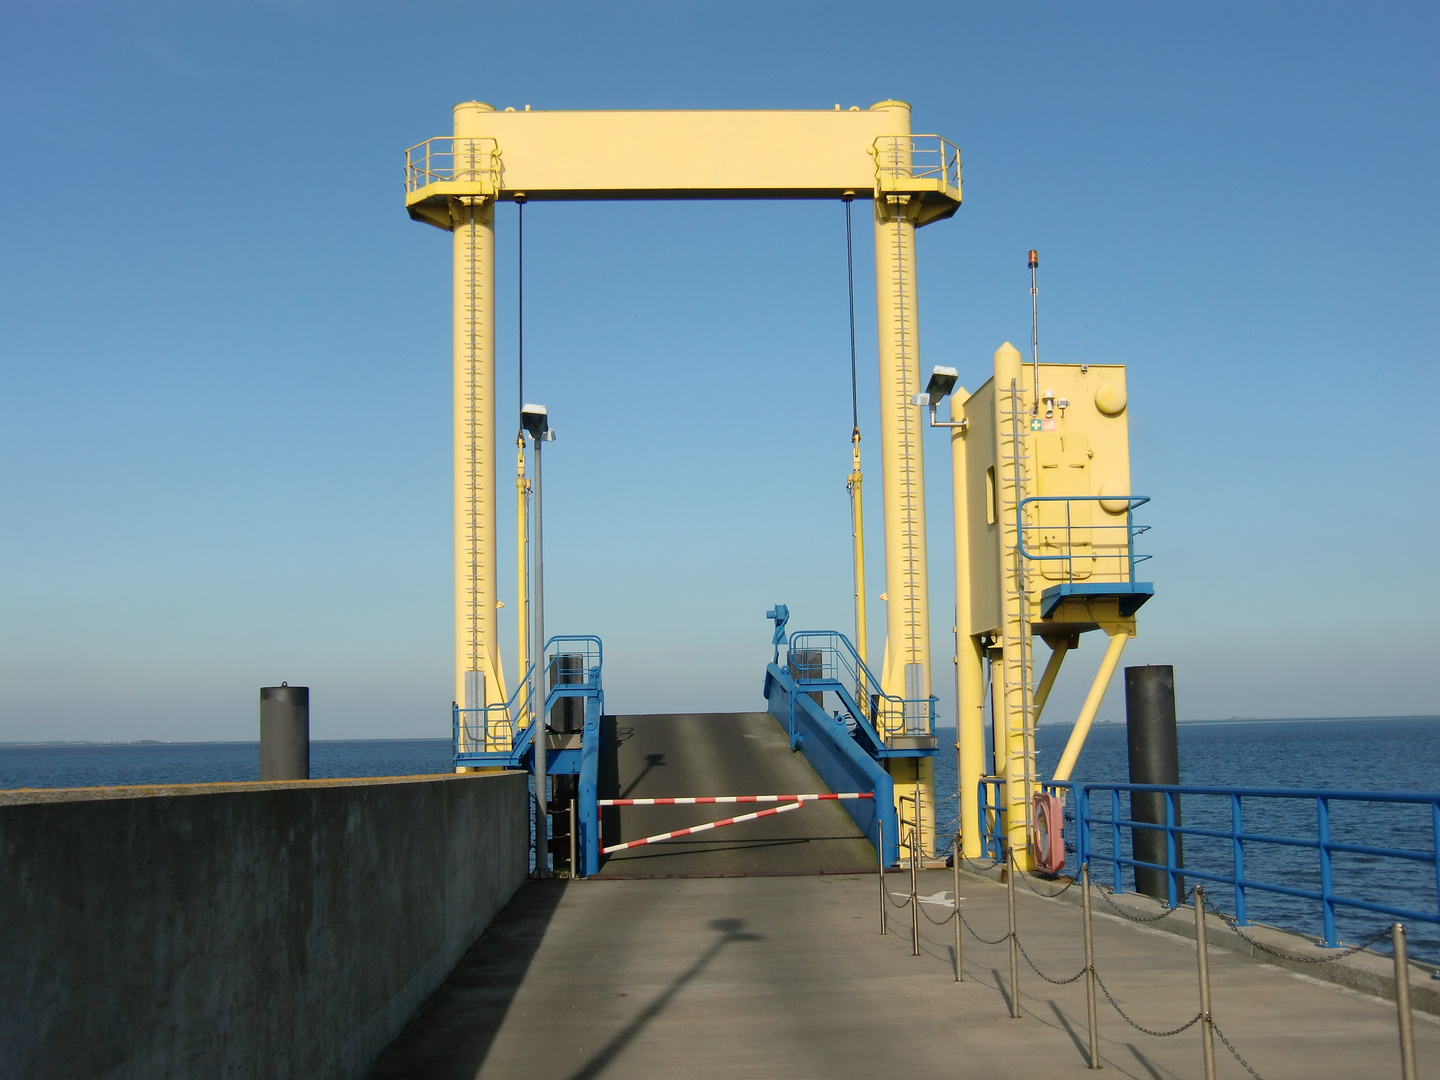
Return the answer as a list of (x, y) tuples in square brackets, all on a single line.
[(1347, 755), (1354, 755)]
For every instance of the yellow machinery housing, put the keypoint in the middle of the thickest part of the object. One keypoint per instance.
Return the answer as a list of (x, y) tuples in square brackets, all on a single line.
[(1044, 549)]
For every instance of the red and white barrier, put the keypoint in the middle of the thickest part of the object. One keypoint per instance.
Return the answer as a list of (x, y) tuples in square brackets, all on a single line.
[(696, 800), (697, 828)]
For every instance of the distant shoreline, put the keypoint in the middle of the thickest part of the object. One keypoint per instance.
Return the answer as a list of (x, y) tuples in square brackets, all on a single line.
[(211, 742), (446, 739)]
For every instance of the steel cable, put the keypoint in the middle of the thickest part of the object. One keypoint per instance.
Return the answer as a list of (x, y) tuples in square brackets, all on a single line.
[(984, 941), (1048, 896), (1235, 924), (935, 921), (520, 301), (1233, 1052), (1141, 1027), (1054, 982), (977, 868), (1144, 918), (850, 269)]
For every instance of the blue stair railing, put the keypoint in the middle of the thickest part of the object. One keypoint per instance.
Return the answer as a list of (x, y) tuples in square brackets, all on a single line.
[(508, 741), (827, 660), (1085, 549)]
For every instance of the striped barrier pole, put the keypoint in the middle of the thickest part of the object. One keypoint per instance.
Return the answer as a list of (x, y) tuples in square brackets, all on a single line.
[(702, 828), (698, 800)]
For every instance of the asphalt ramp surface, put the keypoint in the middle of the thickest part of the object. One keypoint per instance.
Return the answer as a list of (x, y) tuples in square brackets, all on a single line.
[(685, 754)]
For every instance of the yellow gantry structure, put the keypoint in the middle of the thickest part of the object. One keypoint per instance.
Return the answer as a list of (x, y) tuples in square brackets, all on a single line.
[(1043, 549), (454, 182)]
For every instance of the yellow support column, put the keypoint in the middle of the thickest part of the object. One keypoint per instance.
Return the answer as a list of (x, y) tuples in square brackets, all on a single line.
[(969, 656), (473, 230), (1119, 635), (522, 574), (857, 548), (1014, 752), (907, 669)]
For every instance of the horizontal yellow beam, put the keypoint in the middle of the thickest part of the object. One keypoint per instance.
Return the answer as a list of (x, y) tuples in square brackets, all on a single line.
[(751, 154)]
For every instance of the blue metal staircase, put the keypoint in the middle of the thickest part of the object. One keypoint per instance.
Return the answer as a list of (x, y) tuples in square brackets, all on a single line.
[(492, 737)]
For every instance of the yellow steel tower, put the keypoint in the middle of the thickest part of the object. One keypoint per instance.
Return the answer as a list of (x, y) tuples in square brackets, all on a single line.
[(454, 182), (1044, 549)]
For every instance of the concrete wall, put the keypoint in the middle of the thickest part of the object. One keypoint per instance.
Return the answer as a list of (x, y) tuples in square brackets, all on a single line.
[(241, 930)]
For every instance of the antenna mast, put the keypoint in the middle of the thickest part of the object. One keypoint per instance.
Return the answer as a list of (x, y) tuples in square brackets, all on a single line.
[(1035, 328)]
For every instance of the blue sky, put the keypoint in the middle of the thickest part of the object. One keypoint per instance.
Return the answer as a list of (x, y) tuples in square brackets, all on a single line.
[(224, 348)]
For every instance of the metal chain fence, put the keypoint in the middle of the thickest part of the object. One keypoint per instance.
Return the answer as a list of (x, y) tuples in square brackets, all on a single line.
[(1235, 924), (1141, 1027), (1143, 918)]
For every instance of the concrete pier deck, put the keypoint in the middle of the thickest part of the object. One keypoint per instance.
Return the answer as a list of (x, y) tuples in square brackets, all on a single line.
[(787, 977)]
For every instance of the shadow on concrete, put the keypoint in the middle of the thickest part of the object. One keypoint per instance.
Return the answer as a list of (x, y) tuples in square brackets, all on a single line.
[(451, 1035), (1000, 985), (730, 931), (651, 761), (1082, 1042)]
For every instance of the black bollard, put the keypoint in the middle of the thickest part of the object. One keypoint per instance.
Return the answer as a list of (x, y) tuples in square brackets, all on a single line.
[(284, 732), (1154, 759), (568, 715), (809, 664)]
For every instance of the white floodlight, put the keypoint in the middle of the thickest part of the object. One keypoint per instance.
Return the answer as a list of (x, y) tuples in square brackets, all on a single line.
[(535, 420), (941, 385), (942, 381)]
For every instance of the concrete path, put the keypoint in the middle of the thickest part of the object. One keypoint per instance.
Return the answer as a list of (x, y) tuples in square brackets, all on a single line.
[(788, 977), (664, 756)]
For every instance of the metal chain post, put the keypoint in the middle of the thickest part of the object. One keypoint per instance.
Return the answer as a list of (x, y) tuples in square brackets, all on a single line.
[(914, 895), (1402, 1000), (880, 861), (1207, 1031), (959, 957), (1089, 968), (1014, 959), (574, 853)]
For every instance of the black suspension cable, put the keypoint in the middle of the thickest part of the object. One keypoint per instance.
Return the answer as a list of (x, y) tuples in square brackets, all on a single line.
[(850, 271), (520, 304)]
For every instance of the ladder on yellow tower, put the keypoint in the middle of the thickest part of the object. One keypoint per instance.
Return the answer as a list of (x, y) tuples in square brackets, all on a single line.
[(1018, 753)]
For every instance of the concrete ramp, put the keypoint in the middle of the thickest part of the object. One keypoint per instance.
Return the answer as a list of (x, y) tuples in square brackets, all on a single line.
[(669, 755)]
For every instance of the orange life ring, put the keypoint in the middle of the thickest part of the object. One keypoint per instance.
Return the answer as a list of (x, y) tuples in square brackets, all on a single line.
[(1047, 832)]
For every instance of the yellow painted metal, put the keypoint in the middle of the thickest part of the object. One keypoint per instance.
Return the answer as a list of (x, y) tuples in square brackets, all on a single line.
[(969, 653), (1015, 740), (1069, 439), (1058, 648), (902, 459), (769, 154), (472, 224), (1118, 637), (522, 573), (453, 182), (857, 547)]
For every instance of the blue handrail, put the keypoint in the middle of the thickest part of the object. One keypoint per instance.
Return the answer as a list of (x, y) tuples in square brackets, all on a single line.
[(1098, 809), (1092, 537), (593, 658), (840, 663)]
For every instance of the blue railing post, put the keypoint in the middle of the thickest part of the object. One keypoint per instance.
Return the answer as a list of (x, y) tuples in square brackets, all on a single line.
[(1237, 856), (1171, 885), (1069, 547), (1115, 839), (1327, 891), (1082, 826), (1435, 842), (1130, 539)]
